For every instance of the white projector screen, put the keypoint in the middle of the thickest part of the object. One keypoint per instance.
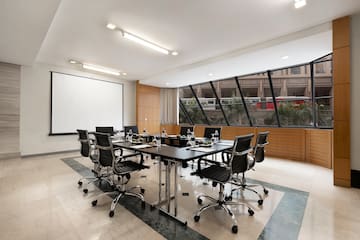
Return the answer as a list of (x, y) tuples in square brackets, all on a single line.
[(84, 103)]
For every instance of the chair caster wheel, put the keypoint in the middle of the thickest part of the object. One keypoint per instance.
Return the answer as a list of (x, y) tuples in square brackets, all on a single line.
[(128, 176), (234, 229), (143, 205), (85, 191), (79, 183), (266, 191), (111, 213), (250, 211), (196, 218), (260, 202), (142, 190), (93, 203), (228, 198), (214, 184), (199, 201)]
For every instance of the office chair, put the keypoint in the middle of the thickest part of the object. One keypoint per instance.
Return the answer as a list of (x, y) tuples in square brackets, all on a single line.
[(209, 131), (109, 130), (134, 129), (222, 174), (257, 156), (87, 149), (184, 130), (122, 167)]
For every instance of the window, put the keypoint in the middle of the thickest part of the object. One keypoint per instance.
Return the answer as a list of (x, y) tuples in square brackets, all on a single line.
[(290, 98)]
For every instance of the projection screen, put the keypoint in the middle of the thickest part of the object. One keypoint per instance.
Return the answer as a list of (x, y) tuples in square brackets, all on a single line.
[(84, 103)]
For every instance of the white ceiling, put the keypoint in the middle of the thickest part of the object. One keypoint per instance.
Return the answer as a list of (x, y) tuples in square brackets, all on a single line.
[(226, 38)]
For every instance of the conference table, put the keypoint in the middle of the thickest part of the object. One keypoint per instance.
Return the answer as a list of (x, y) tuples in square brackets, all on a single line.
[(172, 157)]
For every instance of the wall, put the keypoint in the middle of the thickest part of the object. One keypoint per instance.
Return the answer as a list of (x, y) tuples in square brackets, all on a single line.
[(35, 109), (9, 110), (355, 92), (148, 108)]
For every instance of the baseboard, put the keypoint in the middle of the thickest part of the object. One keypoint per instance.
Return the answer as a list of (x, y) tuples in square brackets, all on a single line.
[(9, 155), (49, 153), (342, 182), (355, 178)]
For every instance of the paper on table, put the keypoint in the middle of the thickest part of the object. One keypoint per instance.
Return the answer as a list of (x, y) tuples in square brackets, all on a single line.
[(141, 146), (202, 149)]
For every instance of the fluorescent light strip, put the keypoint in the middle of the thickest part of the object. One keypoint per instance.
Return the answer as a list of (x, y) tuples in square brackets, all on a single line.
[(100, 69), (145, 43)]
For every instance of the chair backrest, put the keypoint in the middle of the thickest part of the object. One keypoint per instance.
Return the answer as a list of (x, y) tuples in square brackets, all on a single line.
[(134, 129), (261, 142), (209, 131), (85, 142), (105, 149), (239, 156), (109, 130), (184, 130)]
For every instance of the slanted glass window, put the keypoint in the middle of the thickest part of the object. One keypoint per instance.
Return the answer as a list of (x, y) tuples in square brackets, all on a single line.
[(323, 92), (207, 99), (191, 106), (293, 101), (231, 102), (260, 107)]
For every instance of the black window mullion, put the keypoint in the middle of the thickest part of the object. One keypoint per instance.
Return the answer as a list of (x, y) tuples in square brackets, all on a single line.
[(183, 108), (313, 94), (273, 97), (218, 101), (243, 100), (198, 102)]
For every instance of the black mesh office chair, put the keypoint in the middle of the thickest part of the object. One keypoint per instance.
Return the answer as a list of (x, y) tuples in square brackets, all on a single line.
[(184, 130), (87, 149), (257, 156), (121, 166), (134, 129), (109, 130), (222, 174), (209, 131)]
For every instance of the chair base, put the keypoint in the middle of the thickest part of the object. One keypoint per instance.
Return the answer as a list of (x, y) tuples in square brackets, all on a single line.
[(242, 186), (121, 192), (223, 204)]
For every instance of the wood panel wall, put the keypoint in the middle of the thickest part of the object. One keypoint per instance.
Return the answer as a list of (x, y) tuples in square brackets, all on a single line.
[(341, 79), (148, 108), (9, 110), (300, 144)]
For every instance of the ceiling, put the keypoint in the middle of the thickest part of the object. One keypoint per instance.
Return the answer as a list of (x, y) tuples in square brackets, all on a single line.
[(225, 38)]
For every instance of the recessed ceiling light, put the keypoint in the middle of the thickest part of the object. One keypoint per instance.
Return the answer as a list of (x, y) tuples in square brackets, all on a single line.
[(124, 73), (299, 3), (284, 57), (210, 74), (73, 61), (174, 53), (111, 26)]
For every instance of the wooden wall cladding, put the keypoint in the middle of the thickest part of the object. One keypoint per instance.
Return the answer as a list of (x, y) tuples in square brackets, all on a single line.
[(10, 110), (171, 128), (342, 84), (288, 143), (148, 108), (319, 147)]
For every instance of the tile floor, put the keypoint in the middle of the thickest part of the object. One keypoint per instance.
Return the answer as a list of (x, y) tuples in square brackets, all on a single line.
[(40, 199)]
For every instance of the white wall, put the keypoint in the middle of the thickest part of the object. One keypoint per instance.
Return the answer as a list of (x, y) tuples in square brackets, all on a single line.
[(355, 92), (35, 109)]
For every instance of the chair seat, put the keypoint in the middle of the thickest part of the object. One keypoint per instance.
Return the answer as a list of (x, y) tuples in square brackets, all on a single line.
[(215, 173), (128, 166)]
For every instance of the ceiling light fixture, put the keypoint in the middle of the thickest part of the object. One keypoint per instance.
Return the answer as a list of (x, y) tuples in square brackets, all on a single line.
[(141, 41), (210, 74), (124, 73), (299, 3), (73, 61), (284, 57), (100, 69)]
